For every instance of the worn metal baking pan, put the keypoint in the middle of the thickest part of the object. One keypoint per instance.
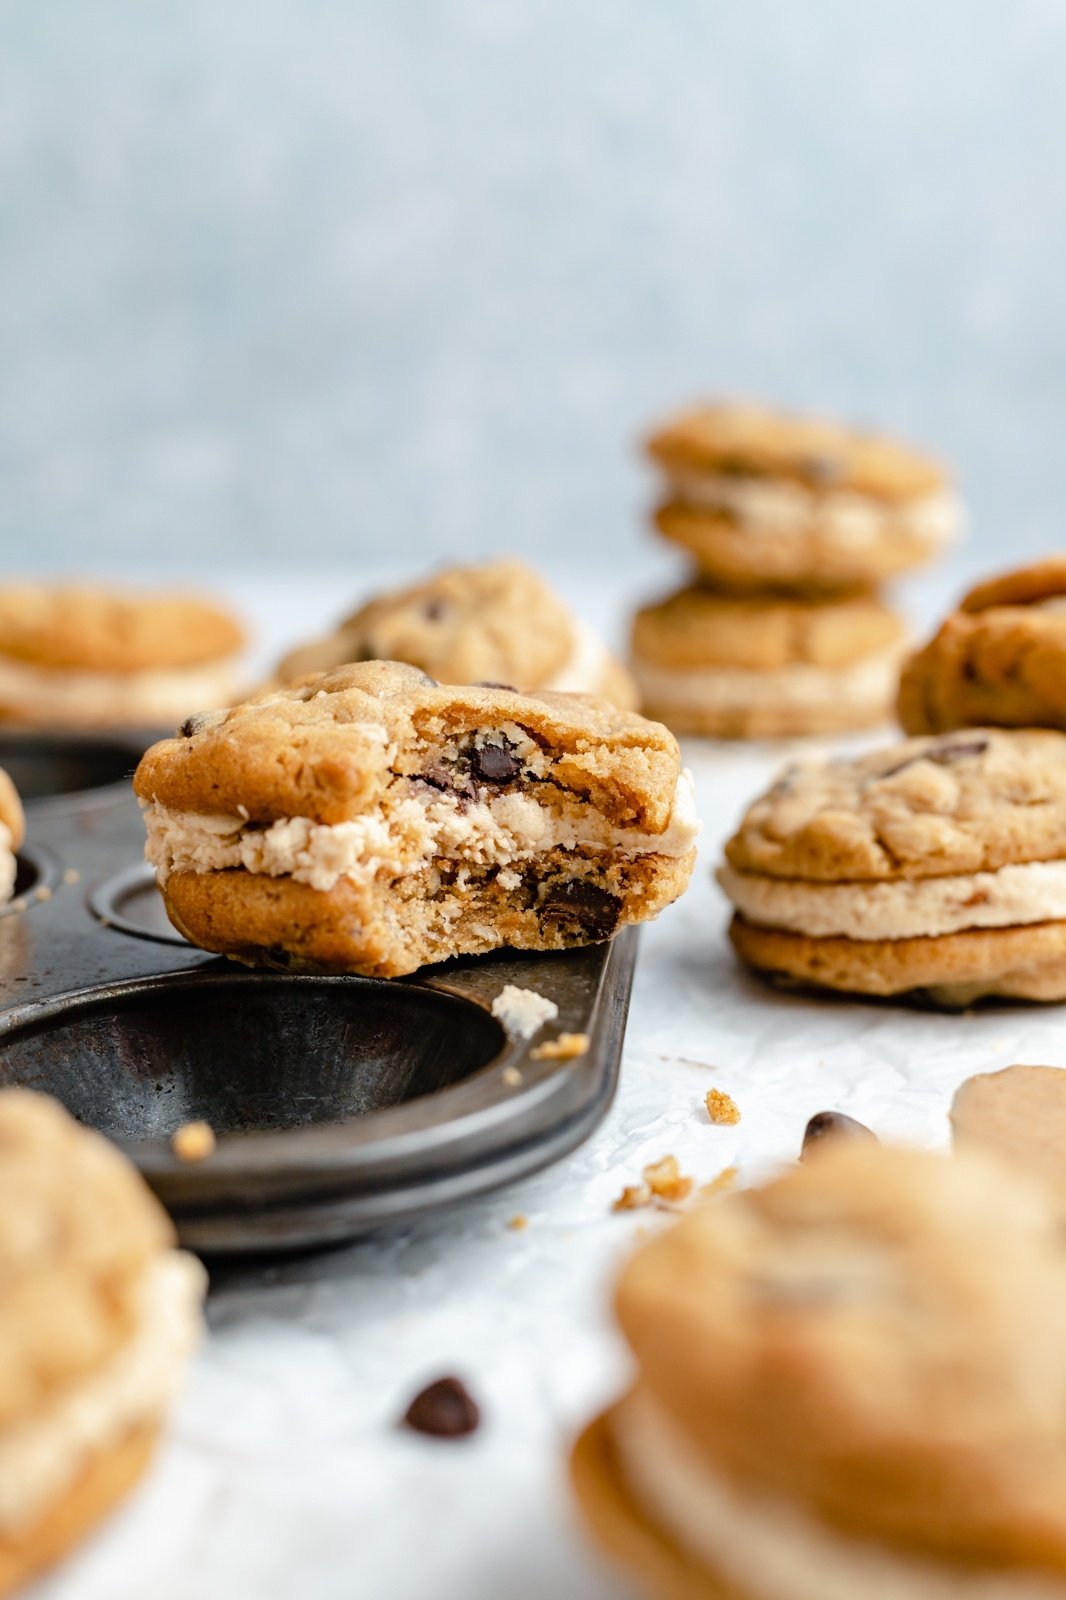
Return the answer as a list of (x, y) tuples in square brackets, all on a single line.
[(339, 1103)]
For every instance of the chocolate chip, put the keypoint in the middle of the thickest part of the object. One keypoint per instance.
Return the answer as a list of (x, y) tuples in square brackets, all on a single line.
[(580, 907), (445, 1409), (821, 470), (494, 763), (433, 610), (450, 781), (194, 724), (833, 1125), (941, 755), (488, 683)]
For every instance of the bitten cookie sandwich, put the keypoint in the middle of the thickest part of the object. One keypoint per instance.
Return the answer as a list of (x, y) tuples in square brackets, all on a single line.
[(1000, 658), (497, 623), (936, 865), (98, 1316), (370, 820), (94, 657), (850, 1383), (764, 666), (12, 833), (760, 497)]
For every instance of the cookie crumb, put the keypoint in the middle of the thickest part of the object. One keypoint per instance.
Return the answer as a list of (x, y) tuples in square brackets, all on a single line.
[(721, 1108), (567, 1047), (724, 1181), (18, 904), (71, 876), (193, 1141), (666, 1180), (511, 1077), (444, 1410), (518, 1222), (523, 1012), (633, 1197), (44, 892)]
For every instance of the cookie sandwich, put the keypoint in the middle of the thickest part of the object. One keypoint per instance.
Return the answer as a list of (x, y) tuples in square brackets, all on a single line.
[(1000, 658), (848, 1385), (12, 833), (86, 656), (766, 666), (98, 1316), (495, 623), (758, 497), (935, 865), (370, 820)]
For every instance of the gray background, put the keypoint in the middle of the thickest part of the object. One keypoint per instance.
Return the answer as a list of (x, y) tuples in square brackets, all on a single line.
[(326, 281)]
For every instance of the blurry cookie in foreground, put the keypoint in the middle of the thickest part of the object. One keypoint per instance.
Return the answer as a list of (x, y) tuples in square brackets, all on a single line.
[(764, 497), (932, 865), (98, 1316), (369, 820), (1018, 1114), (765, 666), (497, 623), (12, 833), (89, 656), (850, 1382), (1000, 658)]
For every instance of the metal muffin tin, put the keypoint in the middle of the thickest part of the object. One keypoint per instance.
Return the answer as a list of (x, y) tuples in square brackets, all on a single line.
[(340, 1103)]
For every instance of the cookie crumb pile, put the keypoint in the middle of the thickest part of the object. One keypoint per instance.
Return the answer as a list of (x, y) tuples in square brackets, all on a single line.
[(791, 524)]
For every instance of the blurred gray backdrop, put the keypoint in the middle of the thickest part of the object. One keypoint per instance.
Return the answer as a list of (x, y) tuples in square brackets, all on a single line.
[(322, 280)]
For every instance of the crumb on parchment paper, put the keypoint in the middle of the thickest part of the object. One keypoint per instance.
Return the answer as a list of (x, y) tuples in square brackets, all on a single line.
[(661, 1181), (721, 1107), (566, 1047), (193, 1141), (523, 1011), (725, 1180)]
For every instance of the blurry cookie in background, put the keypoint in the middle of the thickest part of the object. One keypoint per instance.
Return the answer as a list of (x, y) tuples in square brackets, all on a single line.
[(850, 1382), (931, 866), (98, 1317), (81, 656), (1019, 1115), (1000, 658), (766, 666), (761, 497), (12, 833), (496, 623)]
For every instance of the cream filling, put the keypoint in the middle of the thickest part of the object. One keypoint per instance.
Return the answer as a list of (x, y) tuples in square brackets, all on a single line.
[(865, 686), (56, 697), (906, 909), (509, 828), (777, 506), (41, 1456), (584, 671), (8, 864), (774, 1551)]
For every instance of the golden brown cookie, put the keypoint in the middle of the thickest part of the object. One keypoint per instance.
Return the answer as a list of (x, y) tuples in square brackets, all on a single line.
[(935, 865), (97, 1317), (12, 833), (496, 623), (745, 666), (371, 820), (1019, 1115), (830, 1368), (764, 498), (1000, 658), (89, 656)]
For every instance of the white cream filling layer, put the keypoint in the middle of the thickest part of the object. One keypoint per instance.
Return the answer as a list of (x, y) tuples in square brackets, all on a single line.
[(56, 697), (42, 1456), (8, 864), (864, 686), (777, 506), (907, 909), (771, 1550), (509, 828)]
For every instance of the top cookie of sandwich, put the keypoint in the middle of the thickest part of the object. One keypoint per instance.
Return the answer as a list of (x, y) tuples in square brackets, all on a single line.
[(95, 629), (876, 1337), (328, 747), (1000, 658), (77, 1228), (697, 627), (757, 442), (924, 808), (496, 623)]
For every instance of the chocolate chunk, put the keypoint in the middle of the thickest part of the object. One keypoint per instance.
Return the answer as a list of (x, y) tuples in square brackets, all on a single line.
[(488, 683), (494, 763), (580, 907), (942, 755), (821, 470), (194, 724), (444, 1409), (833, 1125), (433, 610), (449, 780)]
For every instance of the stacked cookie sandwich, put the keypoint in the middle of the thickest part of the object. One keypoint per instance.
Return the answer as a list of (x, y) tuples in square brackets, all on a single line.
[(791, 524)]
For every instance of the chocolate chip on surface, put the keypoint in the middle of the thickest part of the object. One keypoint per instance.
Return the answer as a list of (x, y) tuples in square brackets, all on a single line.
[(581, 907), (827, 1125), (444, 1409), (956, 750), (494, 763)]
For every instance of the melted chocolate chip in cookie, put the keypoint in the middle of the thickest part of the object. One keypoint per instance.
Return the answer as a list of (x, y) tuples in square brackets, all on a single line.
[(580, 907), (942, 755), (494, 763)]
